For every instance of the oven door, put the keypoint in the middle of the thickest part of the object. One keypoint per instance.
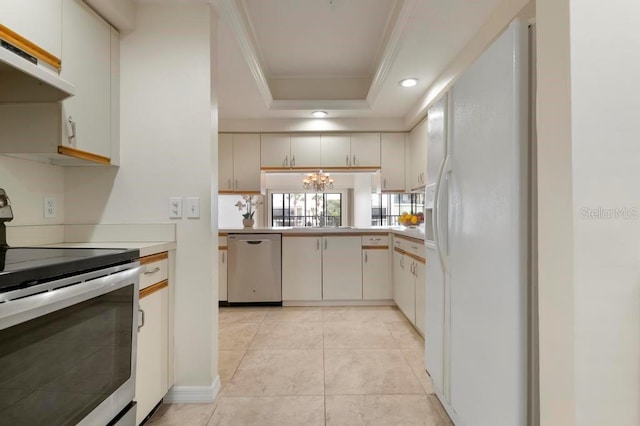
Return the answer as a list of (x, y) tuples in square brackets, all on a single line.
[(67, 349)]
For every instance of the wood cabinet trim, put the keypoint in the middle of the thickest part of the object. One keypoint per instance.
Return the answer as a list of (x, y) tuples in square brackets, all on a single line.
[(147, 291), (411, 255), (84, 155), (412, 239), (375, 247), (154, 258), (33, 49), (223, 248), (239, 192)]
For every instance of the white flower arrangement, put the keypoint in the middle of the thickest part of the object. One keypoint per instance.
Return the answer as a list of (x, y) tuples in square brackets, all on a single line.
[(249, 204)]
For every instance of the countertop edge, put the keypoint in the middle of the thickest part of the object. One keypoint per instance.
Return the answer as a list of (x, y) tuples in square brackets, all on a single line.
[(409, 232), (146, 248)]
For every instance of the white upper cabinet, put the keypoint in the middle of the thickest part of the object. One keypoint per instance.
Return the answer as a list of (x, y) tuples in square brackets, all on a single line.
[(335, 151), (39, 21), (86, 56), (392, 149), (305, 151), (417, 163), (83, 129), (275, 151), (246, 163), (225, 162), (365, 150)]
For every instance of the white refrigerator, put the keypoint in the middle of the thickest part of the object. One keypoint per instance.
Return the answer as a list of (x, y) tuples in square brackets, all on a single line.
[(477, 262)]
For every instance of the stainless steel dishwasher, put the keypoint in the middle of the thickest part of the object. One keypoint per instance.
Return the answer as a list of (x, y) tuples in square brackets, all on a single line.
[(255, 268)]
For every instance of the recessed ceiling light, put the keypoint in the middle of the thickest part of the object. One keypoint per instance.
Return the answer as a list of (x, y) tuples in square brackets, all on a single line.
[(319, 114), (408, 82)]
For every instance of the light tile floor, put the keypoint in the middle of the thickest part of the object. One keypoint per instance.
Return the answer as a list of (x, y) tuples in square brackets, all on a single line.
[(316, 366)]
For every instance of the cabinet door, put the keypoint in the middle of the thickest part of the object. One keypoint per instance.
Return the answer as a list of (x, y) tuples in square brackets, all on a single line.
[(246, 162), (305, 151), (86, 55), (275, 151), (342, 268), (392, 167), (404, 286), (39, 21), (418, 155), (376, 279), (301, 268), (225, 162), (420, 296), (152, 366), (365, 150), (222, 275), (335, 151)]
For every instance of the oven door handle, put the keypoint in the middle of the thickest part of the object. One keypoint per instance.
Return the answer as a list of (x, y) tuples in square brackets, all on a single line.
[(49, 297)]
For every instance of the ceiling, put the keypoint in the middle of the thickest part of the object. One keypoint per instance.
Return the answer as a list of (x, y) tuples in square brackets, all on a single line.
[(286, 58)]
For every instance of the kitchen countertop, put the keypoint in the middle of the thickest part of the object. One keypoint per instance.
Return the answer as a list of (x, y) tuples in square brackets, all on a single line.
[(408, 232), (146, 248)]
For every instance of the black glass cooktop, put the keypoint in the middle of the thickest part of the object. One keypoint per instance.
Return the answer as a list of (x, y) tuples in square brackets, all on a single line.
[(24, 266)]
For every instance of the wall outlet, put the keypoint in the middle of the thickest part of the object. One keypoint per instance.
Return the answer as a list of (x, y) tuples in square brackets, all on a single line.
[(175, 207), (50, 208), (193, 207)]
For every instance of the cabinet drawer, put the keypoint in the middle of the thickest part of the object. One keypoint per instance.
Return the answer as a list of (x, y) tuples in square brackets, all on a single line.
[(157, 269), (399, 243), (222, 241), (414, 248), (375, 240)]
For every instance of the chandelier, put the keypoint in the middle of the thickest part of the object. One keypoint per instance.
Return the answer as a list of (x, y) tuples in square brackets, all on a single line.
[(317, 182)]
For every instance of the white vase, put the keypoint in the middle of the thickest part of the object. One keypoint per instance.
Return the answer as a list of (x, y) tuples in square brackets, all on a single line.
[(248, 223)]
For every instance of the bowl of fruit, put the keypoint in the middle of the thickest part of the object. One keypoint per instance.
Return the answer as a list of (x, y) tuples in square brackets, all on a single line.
[(411, 220)]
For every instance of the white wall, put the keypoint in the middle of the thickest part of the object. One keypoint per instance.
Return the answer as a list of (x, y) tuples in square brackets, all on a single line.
[(605, 65), (27, 183), (555, 215), (589, 225), (166, 150)]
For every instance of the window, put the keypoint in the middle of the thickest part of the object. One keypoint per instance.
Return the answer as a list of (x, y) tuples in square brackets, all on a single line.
[(386, 208), (306, 209)]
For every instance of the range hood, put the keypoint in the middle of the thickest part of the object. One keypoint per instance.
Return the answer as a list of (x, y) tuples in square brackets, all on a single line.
[(25, 75)]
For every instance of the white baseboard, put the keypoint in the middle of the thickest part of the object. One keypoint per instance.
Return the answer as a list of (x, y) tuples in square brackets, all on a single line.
[(311, 303), (193, 394), (449, 409)]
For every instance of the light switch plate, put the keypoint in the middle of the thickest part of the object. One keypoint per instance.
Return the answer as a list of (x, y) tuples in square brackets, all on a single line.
[(193, 207), (50, 208), (175, 207)]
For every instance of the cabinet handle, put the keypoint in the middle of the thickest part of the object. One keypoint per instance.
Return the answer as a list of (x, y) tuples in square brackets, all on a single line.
[(153, 271), (376, 239), (223, 255), (72, 136), (366, 258), (318, 244), (402, 262), (142, 323), (236, 183), (384, 182), (293, 160), (354, 160), (286, 160), (325, 244), (347, 160)]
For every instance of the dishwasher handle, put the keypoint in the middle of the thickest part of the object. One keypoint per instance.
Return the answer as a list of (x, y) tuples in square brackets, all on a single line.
[(254, 242)]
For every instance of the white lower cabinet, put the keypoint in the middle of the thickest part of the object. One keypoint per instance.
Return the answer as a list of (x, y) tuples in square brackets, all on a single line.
[(222, 274), (321, 268), (419, 273), (376, 280), (342, 268), (301, 268), (404, 291), (154, 370)]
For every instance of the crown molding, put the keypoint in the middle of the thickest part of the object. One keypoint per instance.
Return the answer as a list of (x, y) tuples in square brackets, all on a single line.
[(402, 14), (329, 104), (237, 21)]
